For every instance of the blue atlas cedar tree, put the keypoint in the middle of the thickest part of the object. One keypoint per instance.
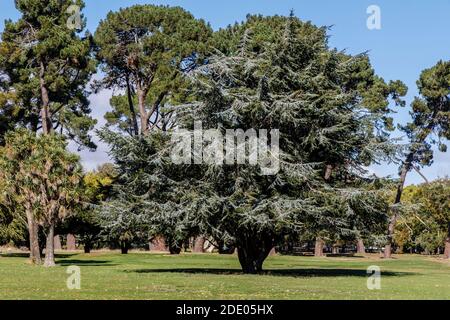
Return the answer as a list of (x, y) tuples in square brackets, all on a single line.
[(268, 72)]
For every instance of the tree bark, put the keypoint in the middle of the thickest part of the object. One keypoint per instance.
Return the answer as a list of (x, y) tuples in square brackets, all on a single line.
[(50, 248), (253, 251), (199, 244), (142, 111), (447, 244), (273, 252), (175, 249), (57, 242), (71, 242), (33, 230), (360, 248), (328, 172), (131, 106), (318, 249), (158, 244), (398, 198), (335, 249), (124, 247)]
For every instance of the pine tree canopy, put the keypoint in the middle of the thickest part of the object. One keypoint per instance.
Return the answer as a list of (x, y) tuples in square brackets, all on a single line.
[(48, 65), (145, 49)]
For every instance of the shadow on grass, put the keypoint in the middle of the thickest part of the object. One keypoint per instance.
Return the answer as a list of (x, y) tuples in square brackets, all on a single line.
[(281, 272), (87, 263), (27, 255)]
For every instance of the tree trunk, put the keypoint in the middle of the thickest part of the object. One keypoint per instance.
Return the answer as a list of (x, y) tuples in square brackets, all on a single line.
[(87, 247), (158, 244), (253, 251), (318, 249), (335, 249), (124, 247), (360, 248), (33, 229), (131, 106), (199, 244), (71, 242), (142, 111), (393, 220), (45, 112), (447, 244), (50, 248), (328, 172), (57, 242), (175, 249), (273, 252)]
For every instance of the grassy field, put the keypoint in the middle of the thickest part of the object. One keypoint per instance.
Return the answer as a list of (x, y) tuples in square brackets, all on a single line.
[(188, 276)]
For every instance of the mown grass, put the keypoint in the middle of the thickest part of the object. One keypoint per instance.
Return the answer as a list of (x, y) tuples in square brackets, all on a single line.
[(109, 275)]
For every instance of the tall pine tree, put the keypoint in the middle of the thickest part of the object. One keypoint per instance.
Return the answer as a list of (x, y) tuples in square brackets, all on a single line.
[(430, 126), (46, 64)]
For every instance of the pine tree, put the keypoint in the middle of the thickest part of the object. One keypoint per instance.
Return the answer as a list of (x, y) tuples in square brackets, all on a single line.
[(144, 50), (431, 118), (47, 64)]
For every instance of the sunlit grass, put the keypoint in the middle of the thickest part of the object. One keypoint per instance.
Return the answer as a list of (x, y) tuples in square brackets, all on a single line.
[(107, 275)]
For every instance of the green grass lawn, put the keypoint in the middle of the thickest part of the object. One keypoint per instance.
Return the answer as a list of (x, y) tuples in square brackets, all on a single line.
[(208, 276)]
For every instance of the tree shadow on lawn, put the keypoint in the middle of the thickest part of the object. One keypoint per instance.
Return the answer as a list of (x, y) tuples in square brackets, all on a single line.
[(87, 263), (27, 255), (279, 272)]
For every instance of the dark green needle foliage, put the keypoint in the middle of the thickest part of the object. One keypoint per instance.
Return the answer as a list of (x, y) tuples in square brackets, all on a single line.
[(270, 73), (145, 50), (47, 63)]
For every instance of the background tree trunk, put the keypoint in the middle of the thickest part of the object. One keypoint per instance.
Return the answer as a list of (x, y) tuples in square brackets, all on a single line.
[(273, 252), (87, 247), (124, 246), (175, 249), (199, 244), (33, 230), (447, 244), (158, 244), (50, 248), (318, 249), (360, 248), (398, 198), (71, 242), (57, 242)]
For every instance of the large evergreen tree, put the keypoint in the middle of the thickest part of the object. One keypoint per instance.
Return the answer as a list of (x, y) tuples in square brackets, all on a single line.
[(273, 73), (48, 65), (145, 49)]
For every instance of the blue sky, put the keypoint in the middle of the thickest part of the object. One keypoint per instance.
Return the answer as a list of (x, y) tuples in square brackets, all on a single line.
[(413, 36)]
